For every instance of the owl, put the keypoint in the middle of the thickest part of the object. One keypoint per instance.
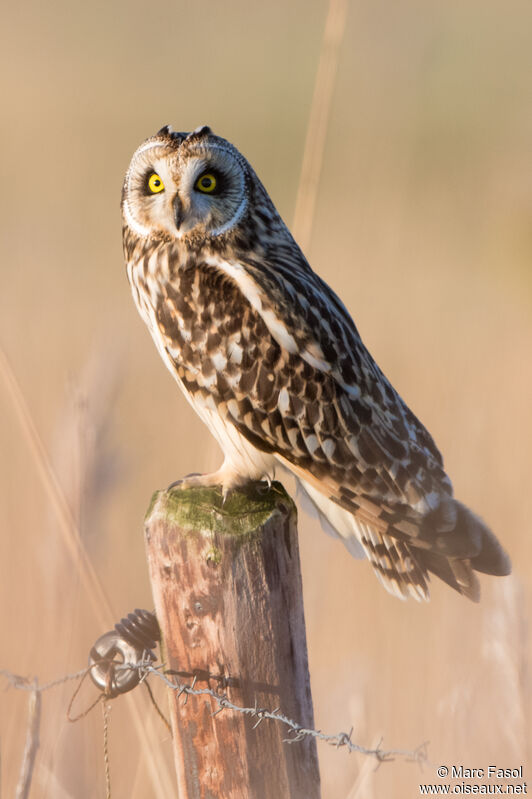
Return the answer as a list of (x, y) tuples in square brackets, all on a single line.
[(272, 362)]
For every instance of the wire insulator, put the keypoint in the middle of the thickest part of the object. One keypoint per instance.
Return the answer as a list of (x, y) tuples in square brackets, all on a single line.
[(140, 629), (132, 641)]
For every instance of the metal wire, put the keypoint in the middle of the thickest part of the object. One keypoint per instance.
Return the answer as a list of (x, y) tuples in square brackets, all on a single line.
[(295, 732), (106, 711)]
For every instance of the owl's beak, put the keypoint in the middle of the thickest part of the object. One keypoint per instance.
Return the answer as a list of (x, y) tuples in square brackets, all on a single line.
[(178, 211)]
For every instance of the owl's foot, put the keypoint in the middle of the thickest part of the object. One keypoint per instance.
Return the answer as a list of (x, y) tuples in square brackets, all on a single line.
[(226, 477), (181, 483), (265, 486)]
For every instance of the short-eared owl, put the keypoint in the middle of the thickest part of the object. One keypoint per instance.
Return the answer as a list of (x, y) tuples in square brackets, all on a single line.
[(271, 360)]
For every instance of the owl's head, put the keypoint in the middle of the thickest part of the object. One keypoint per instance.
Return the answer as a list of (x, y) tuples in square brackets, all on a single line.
[(193, 185)]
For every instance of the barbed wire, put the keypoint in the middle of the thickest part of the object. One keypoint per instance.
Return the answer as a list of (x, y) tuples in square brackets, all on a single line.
[(22, 683), (295, 732)]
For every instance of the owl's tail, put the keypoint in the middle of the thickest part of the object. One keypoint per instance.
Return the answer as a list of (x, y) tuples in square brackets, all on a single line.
[(452, 544)]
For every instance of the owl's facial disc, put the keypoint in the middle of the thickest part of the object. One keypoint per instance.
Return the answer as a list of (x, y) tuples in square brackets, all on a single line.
[(179, 185)]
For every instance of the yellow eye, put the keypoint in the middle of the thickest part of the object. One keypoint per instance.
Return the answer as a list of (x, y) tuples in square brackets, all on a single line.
[(155, 183), (206, 183)]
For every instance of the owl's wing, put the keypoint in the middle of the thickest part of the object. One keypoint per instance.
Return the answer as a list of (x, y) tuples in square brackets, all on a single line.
[(283, 363), (336, 406)]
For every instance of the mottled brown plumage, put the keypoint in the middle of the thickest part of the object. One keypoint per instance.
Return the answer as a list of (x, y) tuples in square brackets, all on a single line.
[(271, 360)]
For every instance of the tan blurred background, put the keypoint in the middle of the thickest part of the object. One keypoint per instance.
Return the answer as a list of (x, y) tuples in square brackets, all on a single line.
[(423, 225)]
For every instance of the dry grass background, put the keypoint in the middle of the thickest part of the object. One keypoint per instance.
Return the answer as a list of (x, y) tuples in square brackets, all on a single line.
[(422, 225)]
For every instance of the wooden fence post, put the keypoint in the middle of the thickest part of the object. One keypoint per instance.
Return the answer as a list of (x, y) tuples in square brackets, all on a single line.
[(227, 587)]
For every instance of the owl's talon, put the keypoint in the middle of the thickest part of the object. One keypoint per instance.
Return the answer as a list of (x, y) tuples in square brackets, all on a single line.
[(226, 493), (265, 486), (214, 480), (179, 483)]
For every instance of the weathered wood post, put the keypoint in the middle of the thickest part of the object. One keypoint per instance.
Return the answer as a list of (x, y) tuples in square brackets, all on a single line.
[(227, 587)]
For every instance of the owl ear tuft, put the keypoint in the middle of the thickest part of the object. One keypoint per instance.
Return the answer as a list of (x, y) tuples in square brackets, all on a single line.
[(173, 134), (201, 130)]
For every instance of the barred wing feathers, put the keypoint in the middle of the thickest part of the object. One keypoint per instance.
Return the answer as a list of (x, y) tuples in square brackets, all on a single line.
[(277, 354)]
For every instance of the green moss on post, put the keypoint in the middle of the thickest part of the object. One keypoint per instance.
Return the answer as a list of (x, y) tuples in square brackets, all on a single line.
[(243, 513)]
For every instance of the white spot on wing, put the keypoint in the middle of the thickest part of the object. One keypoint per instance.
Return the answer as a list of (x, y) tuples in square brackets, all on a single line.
[(283, 402), (186, 334), (328, 446), (352, 443), (219, 361), (232, 407), (353, 391), (278, 330), (312, 444), (235, 353)]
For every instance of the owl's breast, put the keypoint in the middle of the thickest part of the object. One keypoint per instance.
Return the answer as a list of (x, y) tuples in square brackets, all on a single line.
[(203, 324), (145, 286), (198, 320)]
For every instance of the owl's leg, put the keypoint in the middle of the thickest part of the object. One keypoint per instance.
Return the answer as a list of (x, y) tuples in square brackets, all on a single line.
[(227, 477)]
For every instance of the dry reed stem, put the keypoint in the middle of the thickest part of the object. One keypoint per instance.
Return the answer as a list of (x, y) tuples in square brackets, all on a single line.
[(31, 745), (318, 122), (85, 464), (157, 768), (363, 785), (67, 524), (506, 651)]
